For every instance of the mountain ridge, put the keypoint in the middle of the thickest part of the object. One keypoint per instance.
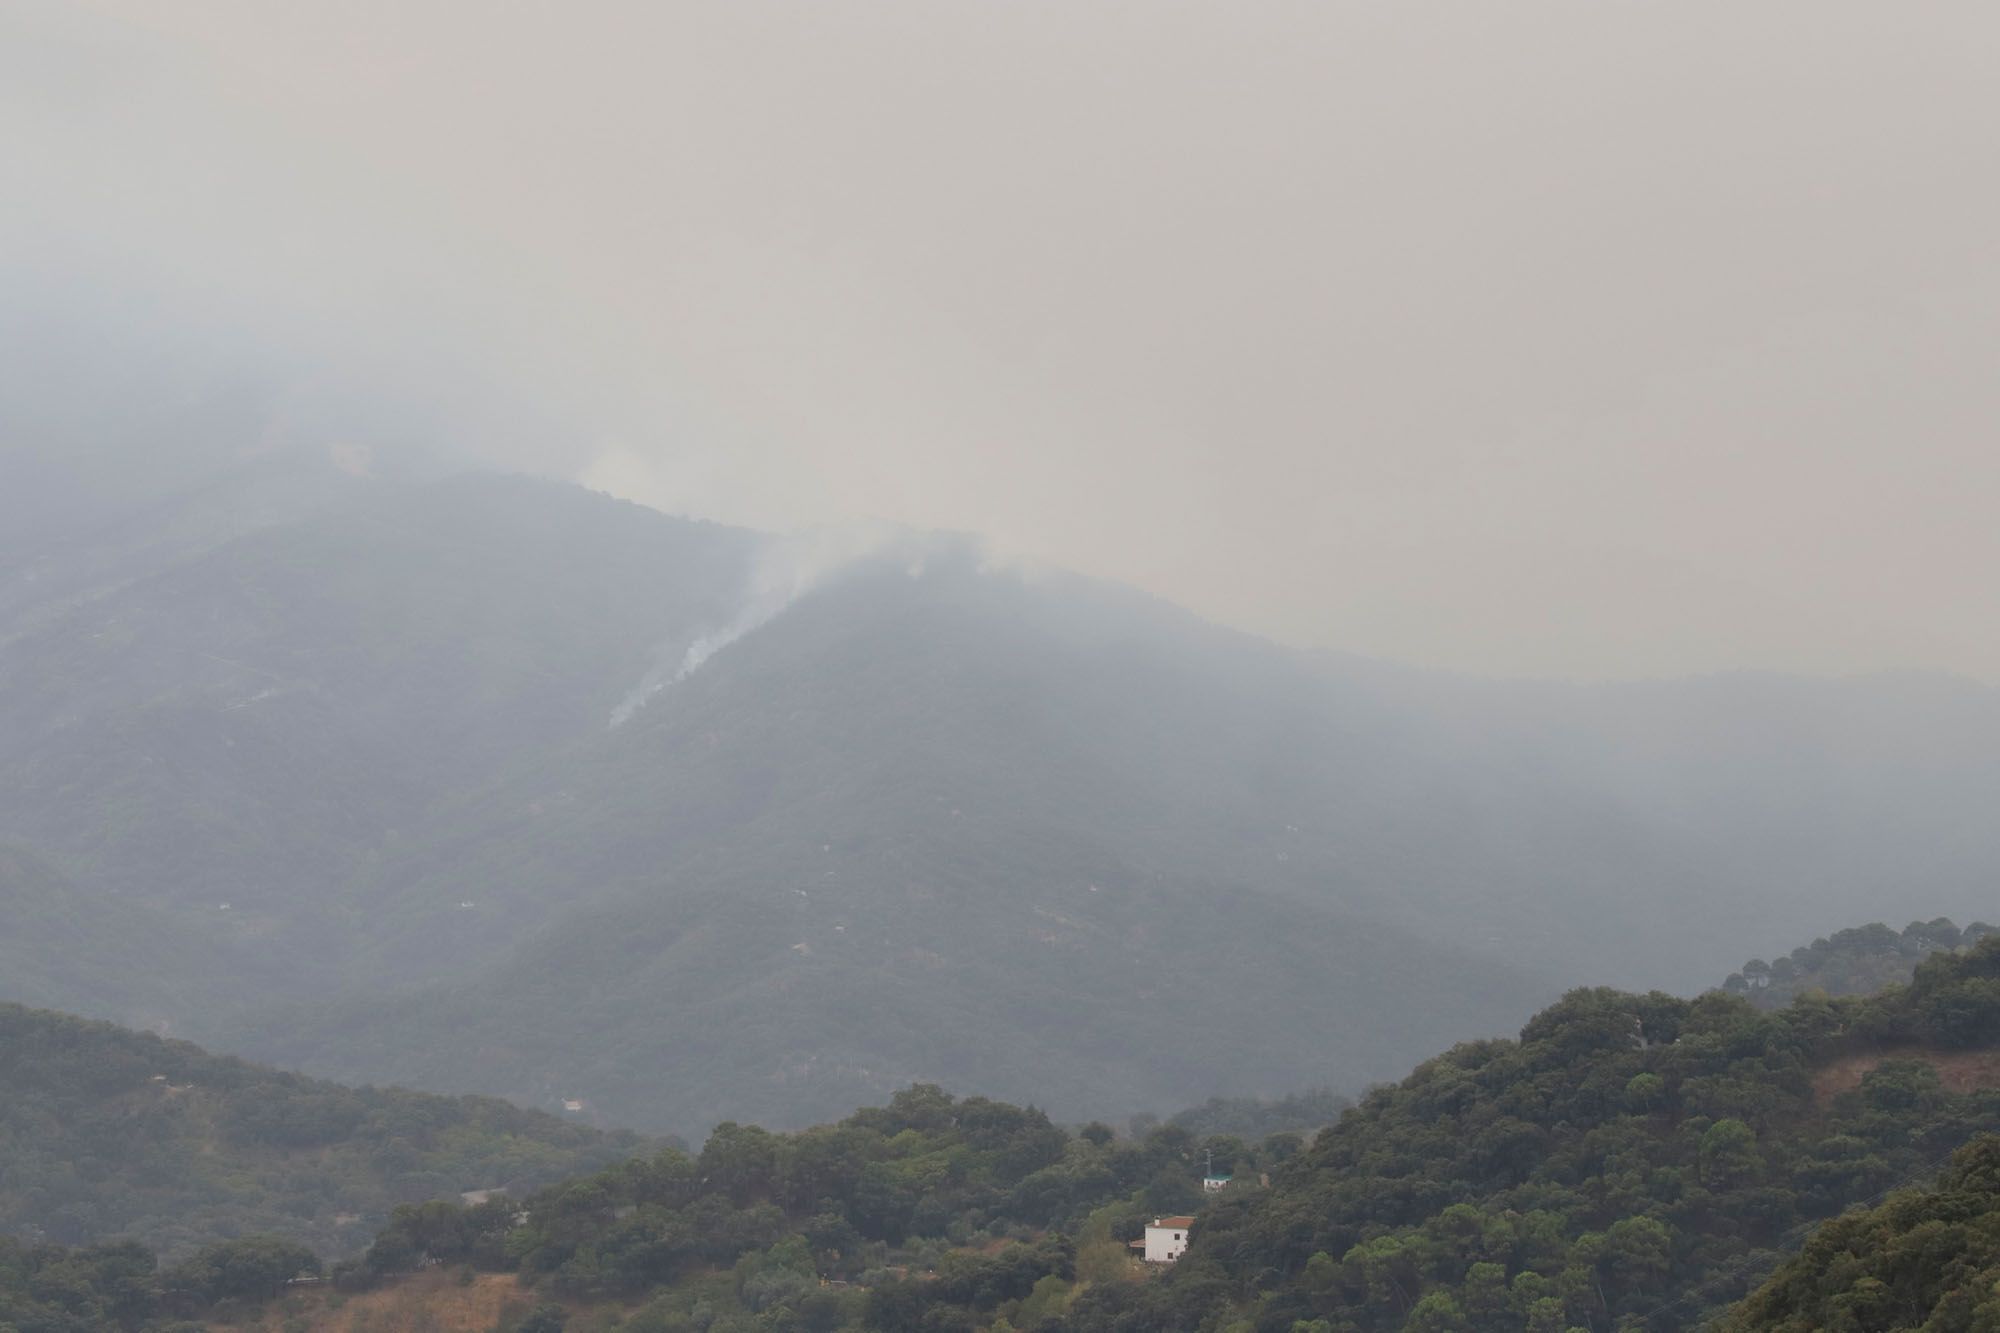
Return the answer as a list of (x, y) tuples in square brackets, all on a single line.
[(380, 731)]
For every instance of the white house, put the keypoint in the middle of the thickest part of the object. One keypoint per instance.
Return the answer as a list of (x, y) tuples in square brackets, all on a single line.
[(1214, 1184), (1166, 1237)]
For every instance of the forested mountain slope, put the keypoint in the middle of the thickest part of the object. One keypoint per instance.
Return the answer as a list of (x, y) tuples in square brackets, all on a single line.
[(1926, 1259), (108, 1133), (1631, 1161), (910, 817), (260, 722), (699, 1006), (988, 1203), (67, 946), (918, 823)]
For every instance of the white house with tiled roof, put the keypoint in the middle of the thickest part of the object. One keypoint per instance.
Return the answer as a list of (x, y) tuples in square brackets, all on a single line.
[(1166, 1237)]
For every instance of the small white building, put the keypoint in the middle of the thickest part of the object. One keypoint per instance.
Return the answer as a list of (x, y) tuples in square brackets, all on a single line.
[(1214, 1184), (1166, 1238)]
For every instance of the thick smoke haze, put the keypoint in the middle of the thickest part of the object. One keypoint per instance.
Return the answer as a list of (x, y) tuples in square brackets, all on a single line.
[(1565, 338)]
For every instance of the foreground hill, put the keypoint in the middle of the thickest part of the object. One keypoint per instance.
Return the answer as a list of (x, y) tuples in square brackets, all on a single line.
[(757, 1231), (1927, 1259), (110, 1133), (346, 747), (1631, 1161)]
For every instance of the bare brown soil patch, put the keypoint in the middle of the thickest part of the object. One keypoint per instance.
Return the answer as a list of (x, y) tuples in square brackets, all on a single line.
[(1958, 1071), (434, 1302)]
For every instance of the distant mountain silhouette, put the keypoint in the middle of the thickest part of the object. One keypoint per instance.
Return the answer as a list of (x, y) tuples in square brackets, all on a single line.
[(1035, 837)]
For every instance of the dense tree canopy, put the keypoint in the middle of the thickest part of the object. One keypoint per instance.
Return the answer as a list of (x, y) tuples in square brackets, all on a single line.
[(1632, 1161), (1859, 961), (928, 1213), (1927, 1259), (106, 1132), (120, 1286), (1304, 1113)]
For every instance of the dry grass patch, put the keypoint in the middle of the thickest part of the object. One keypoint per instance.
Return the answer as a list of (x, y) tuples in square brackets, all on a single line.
[(434, 1302), (1957, 1071)]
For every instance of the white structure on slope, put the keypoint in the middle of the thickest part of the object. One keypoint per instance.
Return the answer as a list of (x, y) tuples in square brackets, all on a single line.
[(1166, 1237)]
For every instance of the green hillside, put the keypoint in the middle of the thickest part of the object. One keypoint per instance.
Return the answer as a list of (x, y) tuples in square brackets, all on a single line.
[(988, 1202), (1304, 1113), (1926, 1259), (1632, 1162), (109, 1133), (994, 971), (1859, 961), (122, 1285), (68, 947)]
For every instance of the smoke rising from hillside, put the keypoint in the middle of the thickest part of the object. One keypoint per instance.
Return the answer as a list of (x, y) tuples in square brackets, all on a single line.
[(1556, 337), (786, 568)]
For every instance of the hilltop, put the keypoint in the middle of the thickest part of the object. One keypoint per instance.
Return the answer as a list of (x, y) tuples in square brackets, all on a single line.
[(109, 1133), (1859, 961)]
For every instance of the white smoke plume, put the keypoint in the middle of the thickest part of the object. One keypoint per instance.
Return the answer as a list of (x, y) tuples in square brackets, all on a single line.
[(787, 569)]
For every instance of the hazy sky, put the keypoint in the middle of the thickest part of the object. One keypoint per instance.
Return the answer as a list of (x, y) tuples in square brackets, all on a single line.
[(1594, 337)]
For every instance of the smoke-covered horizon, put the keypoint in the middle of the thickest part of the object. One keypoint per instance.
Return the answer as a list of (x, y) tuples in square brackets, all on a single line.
[(1563, 339)]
